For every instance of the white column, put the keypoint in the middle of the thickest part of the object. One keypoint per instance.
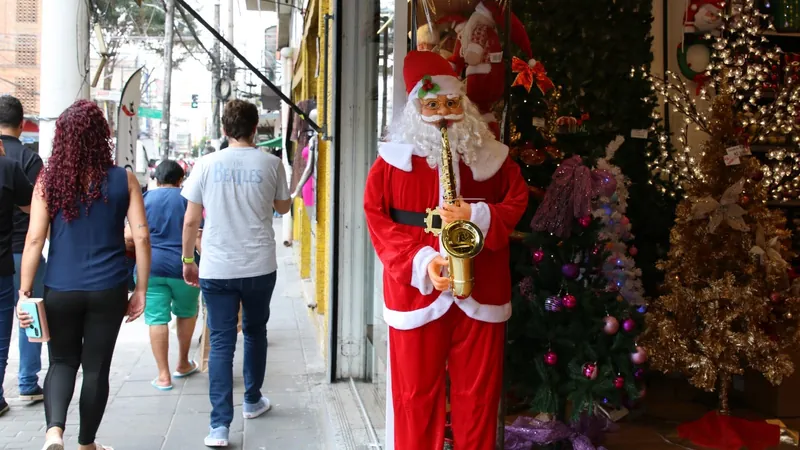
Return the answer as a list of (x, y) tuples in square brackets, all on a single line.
[(64, 63), (287, 57)]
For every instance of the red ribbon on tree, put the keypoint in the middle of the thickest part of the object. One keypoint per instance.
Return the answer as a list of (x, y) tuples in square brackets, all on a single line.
[(527, 74)]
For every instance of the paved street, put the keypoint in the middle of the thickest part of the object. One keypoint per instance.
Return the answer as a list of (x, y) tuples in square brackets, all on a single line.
[(139, 417)]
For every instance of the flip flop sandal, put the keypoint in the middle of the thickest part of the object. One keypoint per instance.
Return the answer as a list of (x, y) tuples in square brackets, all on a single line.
[(155, 384), (195, 368), (101, 447)]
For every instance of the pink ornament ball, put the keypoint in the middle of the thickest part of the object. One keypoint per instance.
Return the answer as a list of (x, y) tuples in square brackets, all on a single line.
[(585, 221), (569, 301), (538, 256), (629, 325), (550, 358), (611, 325), (590, 371), (619, 382), (640, 356), (633, 250)]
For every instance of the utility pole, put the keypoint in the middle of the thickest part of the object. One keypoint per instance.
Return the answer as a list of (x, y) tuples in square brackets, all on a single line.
[(231, 65), (169, 21), (215, 69), (64, 68)]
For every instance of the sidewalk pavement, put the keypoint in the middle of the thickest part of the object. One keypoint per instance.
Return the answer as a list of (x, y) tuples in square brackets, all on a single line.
[(139, 417)]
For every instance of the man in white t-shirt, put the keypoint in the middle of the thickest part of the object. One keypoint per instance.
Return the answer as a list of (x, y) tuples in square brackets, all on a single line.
[(240, 187)]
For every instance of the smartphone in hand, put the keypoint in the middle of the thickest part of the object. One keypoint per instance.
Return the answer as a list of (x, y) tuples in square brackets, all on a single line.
[(37, 331)]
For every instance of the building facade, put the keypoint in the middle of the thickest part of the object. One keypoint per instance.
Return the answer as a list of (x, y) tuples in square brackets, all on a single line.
[(20, 35)]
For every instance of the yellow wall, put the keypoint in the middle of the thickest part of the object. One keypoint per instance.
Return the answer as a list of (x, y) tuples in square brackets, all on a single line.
[(313, 87)]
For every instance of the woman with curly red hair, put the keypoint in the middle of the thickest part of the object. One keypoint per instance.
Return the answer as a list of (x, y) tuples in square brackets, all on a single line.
[(83, 199)]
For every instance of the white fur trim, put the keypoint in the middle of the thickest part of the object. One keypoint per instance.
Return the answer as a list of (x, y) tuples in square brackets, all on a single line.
[(397, 154), (459, 27), (480, 69), (481, 216), (532, 62), (473, 47), (408, 320), (419, 270), (484, 11), (448, 85)]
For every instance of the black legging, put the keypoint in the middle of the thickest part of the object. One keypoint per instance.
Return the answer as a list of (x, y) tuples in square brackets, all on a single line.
[(83, 331)]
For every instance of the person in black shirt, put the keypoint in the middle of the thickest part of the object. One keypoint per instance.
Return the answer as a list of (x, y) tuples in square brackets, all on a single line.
[(15, 193), (30, 353)]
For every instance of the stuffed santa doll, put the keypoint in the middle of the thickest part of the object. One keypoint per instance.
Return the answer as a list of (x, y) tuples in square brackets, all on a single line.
[(444, 36), (430, 330), (481, 51), (703, 15)]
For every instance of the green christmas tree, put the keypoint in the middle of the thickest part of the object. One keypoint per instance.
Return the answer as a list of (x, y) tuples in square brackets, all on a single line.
[(572, 337)]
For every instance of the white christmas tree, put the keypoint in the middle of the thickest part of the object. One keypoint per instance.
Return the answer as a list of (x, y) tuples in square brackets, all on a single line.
[(620, 268)]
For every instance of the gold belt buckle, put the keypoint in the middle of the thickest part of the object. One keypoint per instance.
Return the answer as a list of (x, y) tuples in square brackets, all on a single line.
[(429, 228)]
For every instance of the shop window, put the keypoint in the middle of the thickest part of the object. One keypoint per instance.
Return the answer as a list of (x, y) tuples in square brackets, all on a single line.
[(27, 11), (26, 92), (26, 50)]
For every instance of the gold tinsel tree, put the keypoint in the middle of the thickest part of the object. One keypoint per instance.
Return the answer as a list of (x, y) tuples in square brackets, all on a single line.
[(727, 304)]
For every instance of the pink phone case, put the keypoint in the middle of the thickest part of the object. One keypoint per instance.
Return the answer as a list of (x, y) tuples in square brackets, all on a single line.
[(39, 302)]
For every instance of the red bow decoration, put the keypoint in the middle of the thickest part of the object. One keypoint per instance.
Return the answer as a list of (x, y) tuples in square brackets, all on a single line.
[(526, 74), (700, 79)]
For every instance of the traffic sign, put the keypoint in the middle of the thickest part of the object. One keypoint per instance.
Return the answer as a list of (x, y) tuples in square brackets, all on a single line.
[(150, 113)]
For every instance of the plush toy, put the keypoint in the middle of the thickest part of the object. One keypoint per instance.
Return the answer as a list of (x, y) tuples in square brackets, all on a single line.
[(703, 15), (427, 40), (480, 50)]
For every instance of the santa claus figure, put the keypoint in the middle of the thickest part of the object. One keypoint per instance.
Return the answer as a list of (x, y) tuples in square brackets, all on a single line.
[(480, 50), (431, 330), (703, 15)]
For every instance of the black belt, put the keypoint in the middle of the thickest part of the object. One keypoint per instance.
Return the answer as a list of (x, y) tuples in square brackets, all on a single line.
[(415, 219)]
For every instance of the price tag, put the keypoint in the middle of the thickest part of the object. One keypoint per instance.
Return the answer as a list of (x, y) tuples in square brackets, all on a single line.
[(495, 58), (738, 150), (731, 160), (538, 122), (639, 134)]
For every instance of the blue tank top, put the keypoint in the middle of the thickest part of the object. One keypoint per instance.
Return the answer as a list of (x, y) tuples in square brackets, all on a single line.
[(88, 253)]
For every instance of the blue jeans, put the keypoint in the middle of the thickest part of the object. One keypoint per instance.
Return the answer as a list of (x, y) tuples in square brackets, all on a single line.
[(30, 353), (222, 306), (6, 323)]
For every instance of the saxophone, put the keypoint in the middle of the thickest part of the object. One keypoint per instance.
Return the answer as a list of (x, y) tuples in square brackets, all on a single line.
[(462, 240)]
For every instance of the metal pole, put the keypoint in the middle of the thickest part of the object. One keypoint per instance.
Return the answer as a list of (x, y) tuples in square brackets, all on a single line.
[(166, 99), (385, 79), (64, 68), (215, 67), (413, 24), (501, 408), (231, 65)]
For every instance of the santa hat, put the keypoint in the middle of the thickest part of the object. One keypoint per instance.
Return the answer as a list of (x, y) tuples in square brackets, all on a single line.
[(428, 74), (518, 34)]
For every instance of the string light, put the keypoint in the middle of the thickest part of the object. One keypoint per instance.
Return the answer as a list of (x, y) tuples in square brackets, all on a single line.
[(741, 63)]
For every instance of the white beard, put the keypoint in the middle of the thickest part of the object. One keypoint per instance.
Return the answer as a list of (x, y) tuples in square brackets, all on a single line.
[(466, 136)]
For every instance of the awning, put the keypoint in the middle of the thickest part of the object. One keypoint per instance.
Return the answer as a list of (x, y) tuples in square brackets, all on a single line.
[(272, 143)]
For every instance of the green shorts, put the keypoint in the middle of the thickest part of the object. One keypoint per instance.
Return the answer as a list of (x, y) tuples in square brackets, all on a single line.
[(170, 295)]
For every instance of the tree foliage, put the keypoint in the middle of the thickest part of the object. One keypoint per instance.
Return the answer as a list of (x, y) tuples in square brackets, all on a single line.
[(124, 22), (588, 48)]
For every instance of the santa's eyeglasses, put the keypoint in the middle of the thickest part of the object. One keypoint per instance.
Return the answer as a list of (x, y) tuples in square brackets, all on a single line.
[(435, 104)]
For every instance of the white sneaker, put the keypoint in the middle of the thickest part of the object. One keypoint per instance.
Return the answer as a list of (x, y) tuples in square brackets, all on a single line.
[(253, 410)]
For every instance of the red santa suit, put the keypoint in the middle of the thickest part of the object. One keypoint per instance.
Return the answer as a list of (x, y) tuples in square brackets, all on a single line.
[(428, 329)]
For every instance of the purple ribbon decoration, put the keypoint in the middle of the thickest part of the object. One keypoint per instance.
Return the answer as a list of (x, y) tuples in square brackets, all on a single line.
[(570, 195), (526, 432)]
